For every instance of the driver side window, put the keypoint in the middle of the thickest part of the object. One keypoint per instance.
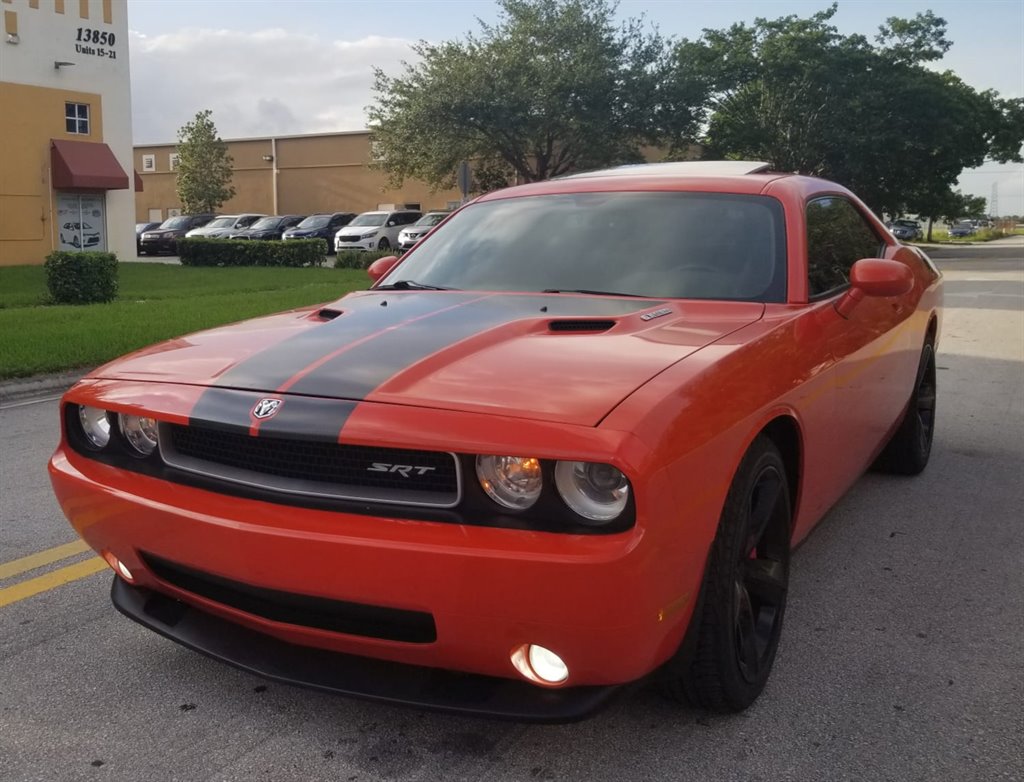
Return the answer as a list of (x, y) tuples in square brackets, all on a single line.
[(837, 237)]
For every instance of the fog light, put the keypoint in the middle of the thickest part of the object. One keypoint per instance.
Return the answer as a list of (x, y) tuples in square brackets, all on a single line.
[(540, 665), (118, 567)]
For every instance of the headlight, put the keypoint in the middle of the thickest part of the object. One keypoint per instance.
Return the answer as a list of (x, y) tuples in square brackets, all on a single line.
[(598, 492), (511, 481), (95, 426), (367, 236), (140, 432)]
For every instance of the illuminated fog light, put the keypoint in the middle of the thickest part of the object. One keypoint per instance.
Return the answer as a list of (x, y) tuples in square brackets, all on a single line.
[(95, 425), (513, 482), (118, 567), (598, 492), (140, 432), (540, 665)]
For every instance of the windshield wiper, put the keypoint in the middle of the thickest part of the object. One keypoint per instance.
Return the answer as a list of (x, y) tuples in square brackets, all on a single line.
[(411, 285), (593, 293)]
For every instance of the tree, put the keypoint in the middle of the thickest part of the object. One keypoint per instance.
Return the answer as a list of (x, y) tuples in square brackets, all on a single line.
[(553, 87), (204, 166), (799, 95), (949, 206)]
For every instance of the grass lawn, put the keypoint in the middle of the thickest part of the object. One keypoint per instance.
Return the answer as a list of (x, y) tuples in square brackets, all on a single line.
[(156, 302)]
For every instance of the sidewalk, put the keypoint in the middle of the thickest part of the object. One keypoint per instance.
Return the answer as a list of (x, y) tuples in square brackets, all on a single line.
[(37, 386)]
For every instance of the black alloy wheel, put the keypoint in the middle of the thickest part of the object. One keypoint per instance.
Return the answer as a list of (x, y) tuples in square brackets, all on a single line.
[(908, 451), (384, 244), (730, 647)]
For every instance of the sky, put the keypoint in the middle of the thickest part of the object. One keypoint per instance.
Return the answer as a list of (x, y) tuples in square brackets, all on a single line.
[(277, 67)]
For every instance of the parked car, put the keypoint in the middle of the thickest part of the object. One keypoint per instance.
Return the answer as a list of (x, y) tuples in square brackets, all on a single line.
[(79, 235), (374, 230), (963, 229), (407, 237), (268, 227), (223, 226), (141, 228), (907, 230), (165, 238), (565, 445), (320, 226)]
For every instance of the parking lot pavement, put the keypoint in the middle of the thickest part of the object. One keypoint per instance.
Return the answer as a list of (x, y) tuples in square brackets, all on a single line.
[(901, 658)]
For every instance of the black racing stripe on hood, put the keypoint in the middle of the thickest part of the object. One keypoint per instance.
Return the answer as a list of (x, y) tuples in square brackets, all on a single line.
[(363, 315), (355, 373), (297, 418)]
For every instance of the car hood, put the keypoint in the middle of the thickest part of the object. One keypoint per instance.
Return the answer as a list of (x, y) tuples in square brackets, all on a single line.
[(358, 230), (165, 232), (565, 358)]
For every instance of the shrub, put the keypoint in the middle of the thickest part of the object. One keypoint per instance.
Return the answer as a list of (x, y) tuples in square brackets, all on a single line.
[(81, 277), (359, 259), (250, 252)]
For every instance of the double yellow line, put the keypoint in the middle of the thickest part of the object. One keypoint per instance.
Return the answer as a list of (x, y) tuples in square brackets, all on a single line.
[(47, 581)]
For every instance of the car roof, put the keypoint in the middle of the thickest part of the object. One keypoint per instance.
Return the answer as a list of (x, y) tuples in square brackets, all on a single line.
[(682, 168), (723, 176)]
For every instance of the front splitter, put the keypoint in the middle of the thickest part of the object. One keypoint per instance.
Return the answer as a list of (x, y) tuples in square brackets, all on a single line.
[(352, 675)]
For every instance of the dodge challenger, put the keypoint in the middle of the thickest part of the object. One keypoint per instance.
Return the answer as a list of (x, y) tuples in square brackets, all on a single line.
[(563, 446)]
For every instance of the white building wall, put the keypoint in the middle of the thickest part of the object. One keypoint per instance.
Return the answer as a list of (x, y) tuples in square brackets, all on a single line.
[(46, 37)]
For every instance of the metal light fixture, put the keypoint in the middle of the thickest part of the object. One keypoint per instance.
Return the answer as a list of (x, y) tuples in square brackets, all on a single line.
[(58, 64), (268, 158)]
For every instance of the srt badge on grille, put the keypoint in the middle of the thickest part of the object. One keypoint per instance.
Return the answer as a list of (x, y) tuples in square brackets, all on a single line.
[(266, 408), (402, 469)]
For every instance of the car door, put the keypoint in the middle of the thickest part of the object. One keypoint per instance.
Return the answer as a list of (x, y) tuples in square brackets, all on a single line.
[(867, 348)]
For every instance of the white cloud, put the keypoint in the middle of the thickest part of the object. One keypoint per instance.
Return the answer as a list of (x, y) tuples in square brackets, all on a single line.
[(257, 83)]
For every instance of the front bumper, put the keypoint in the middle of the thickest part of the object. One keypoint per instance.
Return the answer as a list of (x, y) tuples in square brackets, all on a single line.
[(361, 244), (162, 245), (609, 605), (348, 674)]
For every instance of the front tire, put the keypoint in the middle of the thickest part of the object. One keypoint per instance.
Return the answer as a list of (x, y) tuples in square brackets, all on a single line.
[(724, 662), (908, 451), (384, 244)]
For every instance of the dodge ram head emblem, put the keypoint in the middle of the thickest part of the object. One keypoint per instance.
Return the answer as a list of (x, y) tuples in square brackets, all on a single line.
[(266, 408)]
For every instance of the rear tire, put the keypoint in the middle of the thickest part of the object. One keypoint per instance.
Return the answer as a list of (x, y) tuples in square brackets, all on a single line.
[(724, 662), (908, 451)]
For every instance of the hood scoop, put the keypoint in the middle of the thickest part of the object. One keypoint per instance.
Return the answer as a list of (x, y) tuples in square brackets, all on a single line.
[(327, 313), (580, 326)]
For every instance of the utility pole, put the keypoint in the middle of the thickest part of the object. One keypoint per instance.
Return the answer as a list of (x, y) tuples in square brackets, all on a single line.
[(993, 202)]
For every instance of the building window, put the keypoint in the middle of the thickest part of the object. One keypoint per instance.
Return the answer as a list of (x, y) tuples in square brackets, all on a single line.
[(76, 118), (172, 161), (149, 162)]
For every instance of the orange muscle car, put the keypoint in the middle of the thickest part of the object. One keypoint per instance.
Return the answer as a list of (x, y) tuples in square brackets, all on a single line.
[(564, 445)]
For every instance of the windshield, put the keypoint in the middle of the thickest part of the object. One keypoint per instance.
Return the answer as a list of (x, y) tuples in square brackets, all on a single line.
[(370, 218), (221, 222), (175, 222), (687, 245), (265, 223), (431, 219), (315, 221)]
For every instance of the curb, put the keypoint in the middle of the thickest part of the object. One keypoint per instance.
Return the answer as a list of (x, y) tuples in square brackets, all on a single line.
[(27, 388)]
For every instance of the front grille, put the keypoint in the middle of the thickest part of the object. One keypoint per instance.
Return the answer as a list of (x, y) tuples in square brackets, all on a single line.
[(315, 469), (347, 238), (392, 624)]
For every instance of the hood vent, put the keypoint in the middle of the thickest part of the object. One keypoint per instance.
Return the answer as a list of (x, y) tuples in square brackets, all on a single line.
[(328, 314), (578, 326)]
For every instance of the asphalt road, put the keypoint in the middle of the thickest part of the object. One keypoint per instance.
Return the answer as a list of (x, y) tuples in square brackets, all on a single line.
[(901, 660)]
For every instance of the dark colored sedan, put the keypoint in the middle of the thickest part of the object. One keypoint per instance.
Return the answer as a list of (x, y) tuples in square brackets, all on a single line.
[(268, 228), (165, 238), (320, 226), (141, 228)]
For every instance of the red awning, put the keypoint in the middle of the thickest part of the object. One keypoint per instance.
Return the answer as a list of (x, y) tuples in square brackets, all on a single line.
[(138, 181), (85, 165)]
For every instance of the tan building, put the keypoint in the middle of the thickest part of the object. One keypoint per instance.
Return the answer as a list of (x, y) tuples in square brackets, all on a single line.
[(65, 129), (327, 172)]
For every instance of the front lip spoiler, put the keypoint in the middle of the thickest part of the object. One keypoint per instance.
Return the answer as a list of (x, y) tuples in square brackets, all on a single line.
[(352, 675)]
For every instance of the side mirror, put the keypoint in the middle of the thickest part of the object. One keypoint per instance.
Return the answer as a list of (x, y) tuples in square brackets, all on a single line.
[(875, 277), (381, 266)]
